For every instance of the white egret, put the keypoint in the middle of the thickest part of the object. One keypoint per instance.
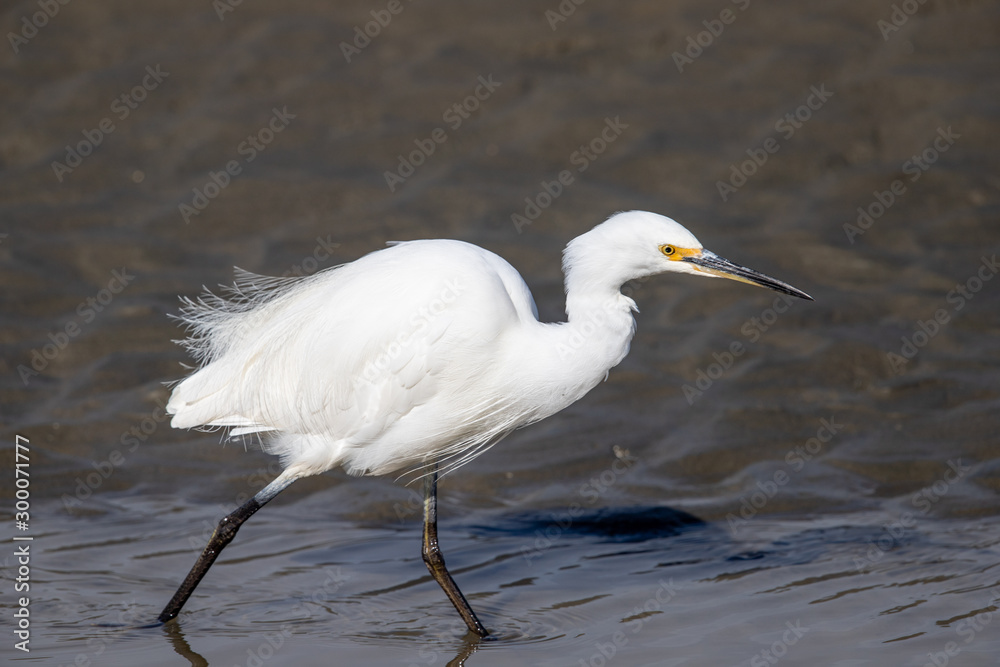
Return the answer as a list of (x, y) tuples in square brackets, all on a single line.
[(420, 355)]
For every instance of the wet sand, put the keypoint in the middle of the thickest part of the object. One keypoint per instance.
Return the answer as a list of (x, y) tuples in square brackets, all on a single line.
[(814, 482)]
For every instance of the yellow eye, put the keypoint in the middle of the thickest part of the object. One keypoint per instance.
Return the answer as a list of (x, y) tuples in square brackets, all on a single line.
[(668, 250)]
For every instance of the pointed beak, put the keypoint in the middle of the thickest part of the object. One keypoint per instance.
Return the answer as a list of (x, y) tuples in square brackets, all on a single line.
[(710, 263)]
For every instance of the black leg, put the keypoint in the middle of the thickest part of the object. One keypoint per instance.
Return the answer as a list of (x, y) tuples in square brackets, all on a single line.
[(435, 561), (223, 535)]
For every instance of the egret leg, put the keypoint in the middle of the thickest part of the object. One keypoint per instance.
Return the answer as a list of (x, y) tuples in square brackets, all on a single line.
[(223, 535), (435, 560)]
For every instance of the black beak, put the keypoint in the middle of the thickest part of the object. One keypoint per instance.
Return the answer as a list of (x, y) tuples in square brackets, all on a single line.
[(710, 263)]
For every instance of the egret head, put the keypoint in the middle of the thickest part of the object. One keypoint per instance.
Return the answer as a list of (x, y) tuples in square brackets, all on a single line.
[(637, 244)]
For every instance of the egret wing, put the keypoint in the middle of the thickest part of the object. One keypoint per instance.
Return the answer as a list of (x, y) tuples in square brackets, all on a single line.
[(336, 361)]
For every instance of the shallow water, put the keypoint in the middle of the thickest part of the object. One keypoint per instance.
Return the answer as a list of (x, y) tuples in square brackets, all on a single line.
[(825, 495)]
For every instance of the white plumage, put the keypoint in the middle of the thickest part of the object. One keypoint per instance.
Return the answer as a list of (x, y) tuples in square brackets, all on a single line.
[(416, 357), (423, 351)]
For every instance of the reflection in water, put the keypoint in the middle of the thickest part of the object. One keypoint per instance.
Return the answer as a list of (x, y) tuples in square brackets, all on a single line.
[(463, 647), (873, 536), (180, 645), (470, 644)]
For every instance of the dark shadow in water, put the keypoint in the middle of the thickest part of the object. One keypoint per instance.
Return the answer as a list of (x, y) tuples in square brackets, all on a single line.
[(611, 524)]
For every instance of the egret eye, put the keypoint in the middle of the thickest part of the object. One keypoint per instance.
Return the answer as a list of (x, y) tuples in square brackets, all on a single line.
[(668, 250)]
